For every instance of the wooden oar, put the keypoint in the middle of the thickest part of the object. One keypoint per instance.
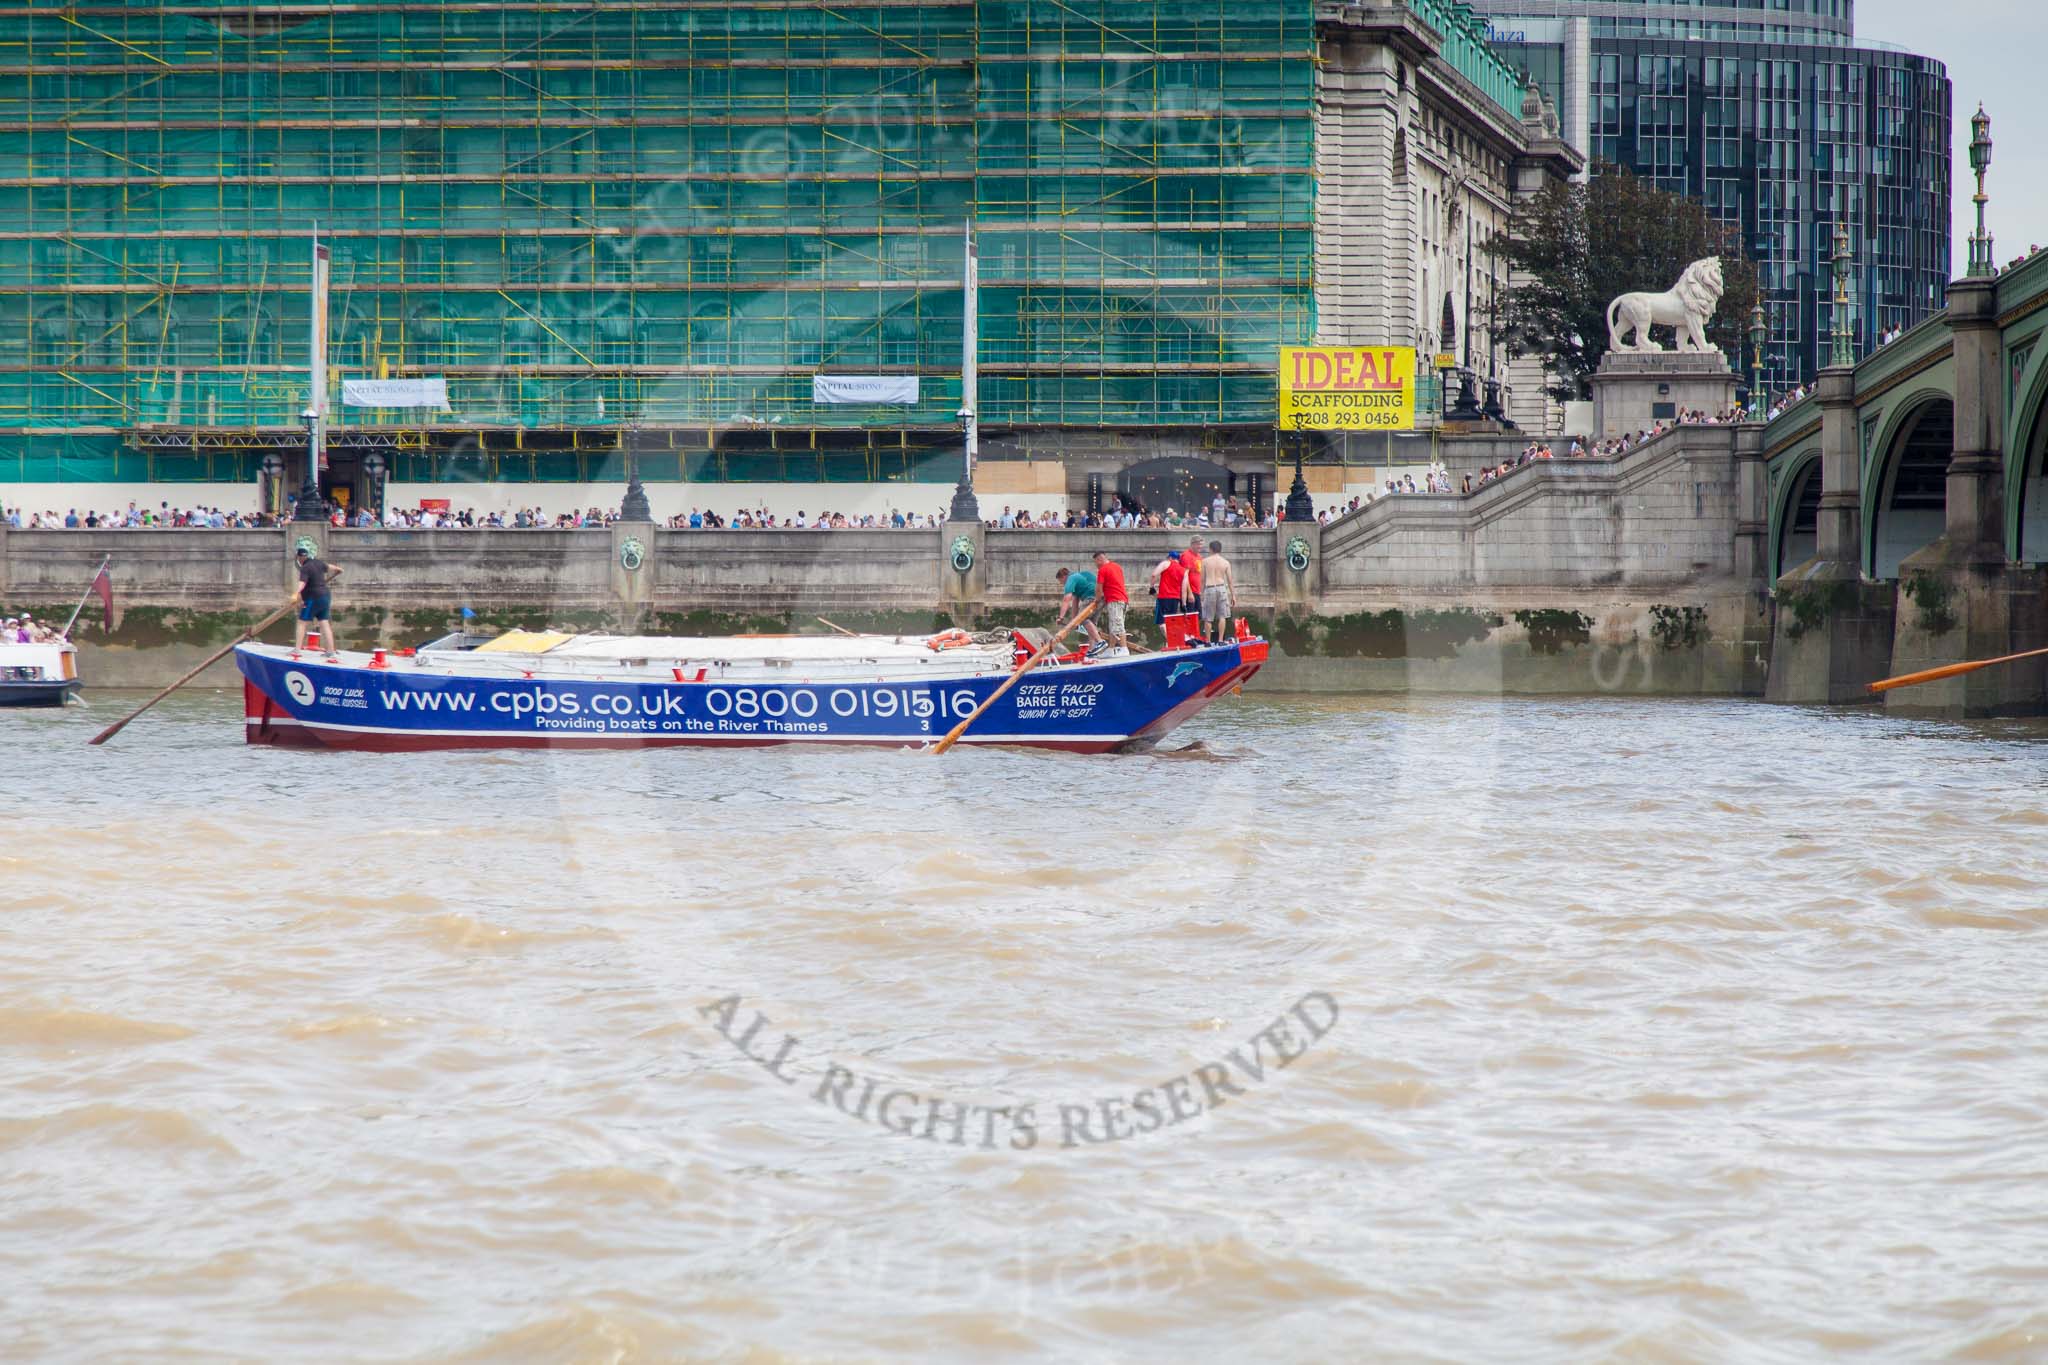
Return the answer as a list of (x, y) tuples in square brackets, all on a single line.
[(841, 629), (953, 735), (103, 736), (1951, 671)]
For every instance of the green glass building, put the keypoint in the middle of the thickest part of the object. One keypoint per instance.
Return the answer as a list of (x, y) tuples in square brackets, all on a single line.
[(657, 219)]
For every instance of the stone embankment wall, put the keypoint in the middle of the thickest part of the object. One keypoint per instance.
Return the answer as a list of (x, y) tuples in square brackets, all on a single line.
[(1569, 576)]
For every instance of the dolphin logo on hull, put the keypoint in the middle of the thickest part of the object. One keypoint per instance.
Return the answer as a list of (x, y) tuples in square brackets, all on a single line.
[(1181, 671)]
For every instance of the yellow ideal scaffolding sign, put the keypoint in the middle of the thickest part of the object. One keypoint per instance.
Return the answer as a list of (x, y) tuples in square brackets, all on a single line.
[(1347, 388)]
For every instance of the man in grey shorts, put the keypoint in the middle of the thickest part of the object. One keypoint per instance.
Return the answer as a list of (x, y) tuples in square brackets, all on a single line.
[(1219, 593), (1116, 598)]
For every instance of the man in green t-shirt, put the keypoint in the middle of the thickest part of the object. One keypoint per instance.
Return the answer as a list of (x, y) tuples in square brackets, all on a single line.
[(1077, 592)]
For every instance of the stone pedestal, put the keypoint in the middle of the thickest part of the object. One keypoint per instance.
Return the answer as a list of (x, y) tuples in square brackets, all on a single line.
[(1295, 591), (1635, 390), (1832, 637), (632, 571), (963, 591)]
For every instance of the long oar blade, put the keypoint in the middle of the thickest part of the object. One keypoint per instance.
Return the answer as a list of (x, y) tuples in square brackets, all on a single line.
[(953, 735), (103, 736), (1929, 675)]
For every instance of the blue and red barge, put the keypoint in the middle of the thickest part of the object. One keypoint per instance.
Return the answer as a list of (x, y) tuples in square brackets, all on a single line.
[(534, 690)]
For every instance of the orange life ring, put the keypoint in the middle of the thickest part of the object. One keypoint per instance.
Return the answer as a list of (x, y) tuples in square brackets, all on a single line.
[(949, 639)]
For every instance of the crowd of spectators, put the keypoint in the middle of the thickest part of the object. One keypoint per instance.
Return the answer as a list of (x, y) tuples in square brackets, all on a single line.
[(428, 518), (161, 517), (1787, 402), (1435, 479), (761, 519), (1225, 512), (463, 519), (26, 630), (1730, 416), (1221, 512)]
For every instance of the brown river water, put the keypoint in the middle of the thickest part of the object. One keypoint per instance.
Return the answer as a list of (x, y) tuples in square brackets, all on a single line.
[(1397, 1028)]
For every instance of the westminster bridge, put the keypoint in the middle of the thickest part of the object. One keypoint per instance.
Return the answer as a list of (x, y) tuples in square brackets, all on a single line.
[(1907, 501)]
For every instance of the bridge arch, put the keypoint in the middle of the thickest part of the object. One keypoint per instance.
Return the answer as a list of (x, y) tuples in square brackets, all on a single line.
[(1905, 489), (2027, 477), (1795, 519)]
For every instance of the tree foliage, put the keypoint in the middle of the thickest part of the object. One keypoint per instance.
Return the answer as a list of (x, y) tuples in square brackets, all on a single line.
[(1574, 248)]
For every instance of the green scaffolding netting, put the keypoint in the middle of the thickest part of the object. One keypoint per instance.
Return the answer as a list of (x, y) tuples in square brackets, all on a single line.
[(589, 216)]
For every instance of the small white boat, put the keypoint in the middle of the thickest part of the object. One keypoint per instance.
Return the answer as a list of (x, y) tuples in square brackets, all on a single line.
[(38, 674)]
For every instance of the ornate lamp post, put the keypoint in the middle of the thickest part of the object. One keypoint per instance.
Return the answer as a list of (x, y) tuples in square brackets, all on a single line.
[(373, 469), (1980, 162), (311, 506), (966, 507), (1300, 506), (273, 488), (1845, 340), (634, 506), (1759, 333)]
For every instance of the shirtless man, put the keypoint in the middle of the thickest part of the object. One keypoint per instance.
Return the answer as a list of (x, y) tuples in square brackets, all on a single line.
[(1219, 593)]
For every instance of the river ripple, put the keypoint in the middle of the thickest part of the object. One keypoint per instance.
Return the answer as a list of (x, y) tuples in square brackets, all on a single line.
[(1666, 1031)]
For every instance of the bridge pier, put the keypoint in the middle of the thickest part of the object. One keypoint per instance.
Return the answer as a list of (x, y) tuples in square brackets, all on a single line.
[(1833, 632), (1959, 598)]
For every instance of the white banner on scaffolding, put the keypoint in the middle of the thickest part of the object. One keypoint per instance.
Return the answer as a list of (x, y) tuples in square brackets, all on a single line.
[(394, 393), (864, 388)]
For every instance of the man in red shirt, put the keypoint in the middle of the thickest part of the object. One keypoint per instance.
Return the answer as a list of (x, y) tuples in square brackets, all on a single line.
[(1191, 560), (1170, 589), (1116, 598)]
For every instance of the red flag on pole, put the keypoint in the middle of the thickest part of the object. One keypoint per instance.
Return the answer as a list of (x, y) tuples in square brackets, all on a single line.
[(104, 586)]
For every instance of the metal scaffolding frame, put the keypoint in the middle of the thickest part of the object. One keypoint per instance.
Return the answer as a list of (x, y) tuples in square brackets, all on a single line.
[(585, 213)]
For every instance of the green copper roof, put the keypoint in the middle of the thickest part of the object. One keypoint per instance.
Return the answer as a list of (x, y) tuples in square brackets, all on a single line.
[(1466, 49)]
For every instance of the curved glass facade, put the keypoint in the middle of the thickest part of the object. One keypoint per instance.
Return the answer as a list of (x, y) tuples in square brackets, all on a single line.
[(1755, 21), (1780, 139)]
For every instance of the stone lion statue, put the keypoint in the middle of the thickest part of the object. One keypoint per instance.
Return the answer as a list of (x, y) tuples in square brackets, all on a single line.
[(1685, 308)]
